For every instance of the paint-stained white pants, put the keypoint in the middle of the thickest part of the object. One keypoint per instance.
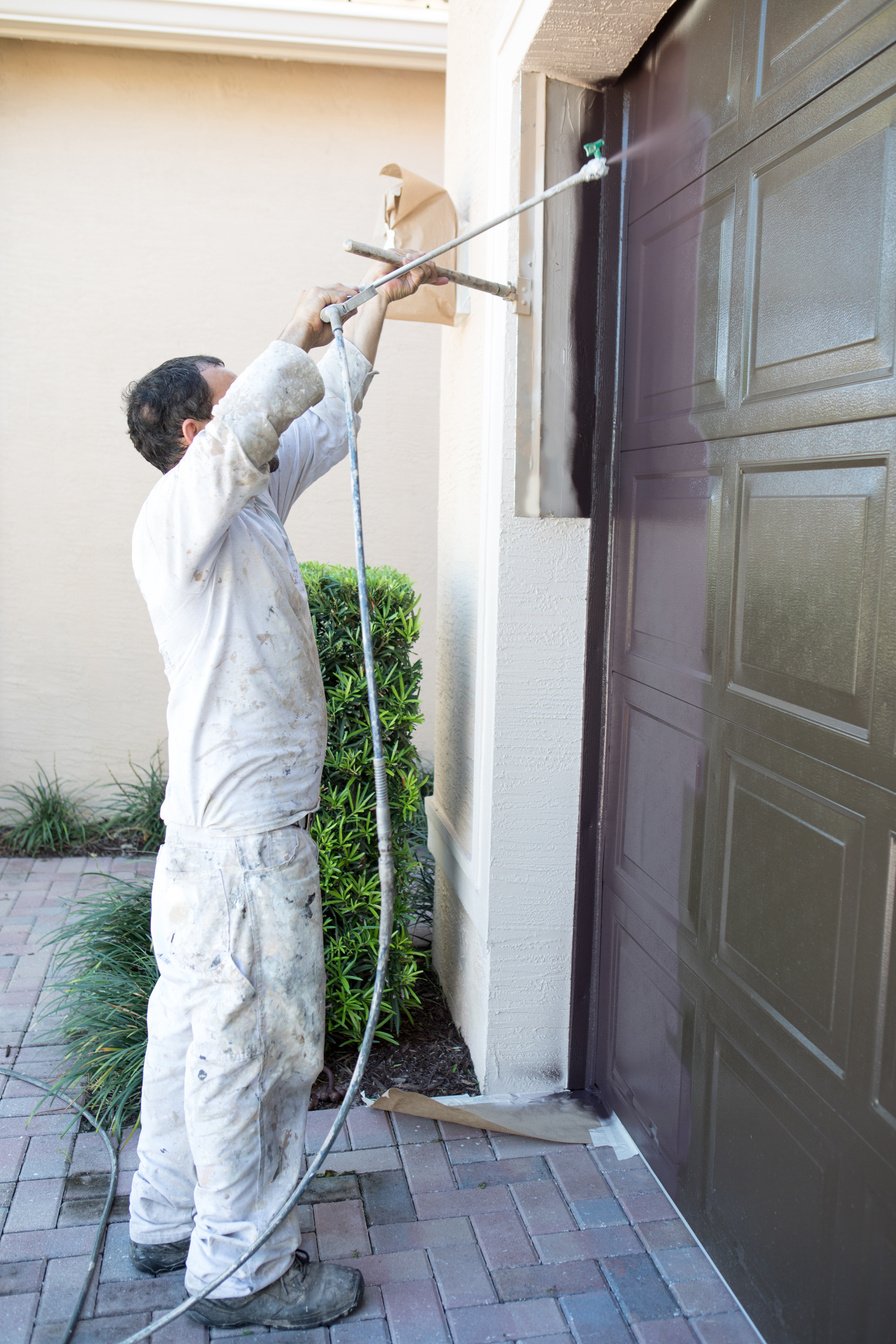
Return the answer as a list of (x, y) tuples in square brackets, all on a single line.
[(235, 1043)]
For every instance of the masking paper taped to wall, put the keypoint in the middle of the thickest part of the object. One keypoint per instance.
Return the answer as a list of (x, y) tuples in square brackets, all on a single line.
[(419, 216), (555, 1117)]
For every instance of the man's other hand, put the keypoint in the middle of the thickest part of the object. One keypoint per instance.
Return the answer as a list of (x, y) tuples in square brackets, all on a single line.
[(405, 285)]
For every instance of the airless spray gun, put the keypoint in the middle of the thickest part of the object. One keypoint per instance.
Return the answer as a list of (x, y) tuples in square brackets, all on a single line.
[(594, 168)]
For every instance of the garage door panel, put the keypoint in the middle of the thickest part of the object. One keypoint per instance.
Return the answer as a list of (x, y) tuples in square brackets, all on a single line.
[(797, 50), (649, 1040), (809, 555), (659, 768), (806, 573), (665, 581), (681, 271), (770, 1191), (821, 280), (883, 1090), (788, 903), (685, 114), (798, 898), (874, 1251)]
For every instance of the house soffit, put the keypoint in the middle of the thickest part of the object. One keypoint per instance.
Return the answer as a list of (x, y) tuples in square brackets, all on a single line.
[(592, 41), (409, 34)]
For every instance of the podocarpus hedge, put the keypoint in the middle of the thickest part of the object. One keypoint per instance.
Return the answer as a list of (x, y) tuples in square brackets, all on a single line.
[(345, 826), (105, 970)]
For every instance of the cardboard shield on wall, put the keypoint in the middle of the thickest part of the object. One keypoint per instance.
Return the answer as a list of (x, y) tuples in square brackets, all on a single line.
[(419, 215)]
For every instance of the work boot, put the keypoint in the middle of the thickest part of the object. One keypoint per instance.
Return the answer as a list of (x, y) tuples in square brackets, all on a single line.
[(161, 1259), (306, 1296)]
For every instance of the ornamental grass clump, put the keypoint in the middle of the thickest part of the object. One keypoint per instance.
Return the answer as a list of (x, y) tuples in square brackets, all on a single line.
[(135, 807), (46, 817), (104, 967), (103, 974)]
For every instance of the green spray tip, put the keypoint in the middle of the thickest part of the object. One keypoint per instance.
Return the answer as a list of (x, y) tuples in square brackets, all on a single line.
[(594, 149)]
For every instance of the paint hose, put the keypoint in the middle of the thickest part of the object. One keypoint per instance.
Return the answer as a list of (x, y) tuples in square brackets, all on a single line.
[(592, 170), (110, 1193), (387, 905), (386, 871)]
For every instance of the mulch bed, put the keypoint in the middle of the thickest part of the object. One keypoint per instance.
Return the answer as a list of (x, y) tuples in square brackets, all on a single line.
[(112, 846), (431, 1057)]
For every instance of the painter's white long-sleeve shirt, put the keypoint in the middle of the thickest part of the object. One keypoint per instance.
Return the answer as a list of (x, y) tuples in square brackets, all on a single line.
[(247, 720)]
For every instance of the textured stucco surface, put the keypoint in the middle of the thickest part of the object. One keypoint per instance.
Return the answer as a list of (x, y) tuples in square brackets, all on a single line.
[(108, 267), (587, 42), (512, 591)]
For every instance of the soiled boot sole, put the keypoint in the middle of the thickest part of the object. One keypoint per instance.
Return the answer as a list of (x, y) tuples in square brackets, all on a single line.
[(161, 1259), (263, 1309)]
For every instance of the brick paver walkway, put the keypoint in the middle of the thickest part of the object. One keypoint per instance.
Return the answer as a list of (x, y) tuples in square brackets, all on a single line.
[(462, 1237)]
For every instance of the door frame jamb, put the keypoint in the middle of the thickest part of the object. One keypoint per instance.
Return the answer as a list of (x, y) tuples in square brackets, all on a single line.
[(583, 1073)]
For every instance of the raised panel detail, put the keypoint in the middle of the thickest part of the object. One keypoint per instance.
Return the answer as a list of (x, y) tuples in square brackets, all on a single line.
[(771, 1185), (790, 889), (682, 258), (792, 35), (672, 541), (686, 119), (651, 1040), (767, 639), (661, 811), (807, 578), (819, 302)]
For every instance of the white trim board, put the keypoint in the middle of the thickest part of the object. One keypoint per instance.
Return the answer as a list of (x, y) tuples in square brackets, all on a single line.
[(372, 34)]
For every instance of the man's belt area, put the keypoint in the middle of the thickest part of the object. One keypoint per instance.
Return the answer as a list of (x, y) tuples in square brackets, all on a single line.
[(304, 823)]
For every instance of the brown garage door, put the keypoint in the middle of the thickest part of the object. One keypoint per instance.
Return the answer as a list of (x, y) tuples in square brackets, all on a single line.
[(746, 991)]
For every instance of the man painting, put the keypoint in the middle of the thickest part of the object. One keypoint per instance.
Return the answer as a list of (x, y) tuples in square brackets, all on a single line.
[(235, 1022)]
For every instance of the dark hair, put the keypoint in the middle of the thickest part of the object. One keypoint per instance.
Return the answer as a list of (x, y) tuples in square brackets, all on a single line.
[(157, 405)]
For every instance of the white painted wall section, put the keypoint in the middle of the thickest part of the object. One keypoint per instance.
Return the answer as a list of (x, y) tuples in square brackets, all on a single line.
[(512, 592)]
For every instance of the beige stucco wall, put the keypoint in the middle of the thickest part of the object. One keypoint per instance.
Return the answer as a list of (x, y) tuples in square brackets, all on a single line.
[(157, 204)]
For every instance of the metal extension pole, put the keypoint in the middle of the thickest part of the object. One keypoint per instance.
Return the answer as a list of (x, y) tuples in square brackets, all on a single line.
[(590, 171), (458, 277)]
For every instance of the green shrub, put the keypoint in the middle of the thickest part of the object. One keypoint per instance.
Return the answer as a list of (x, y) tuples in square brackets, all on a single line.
[(135, 807), (104, 965), (345, 827), (47, 819)]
